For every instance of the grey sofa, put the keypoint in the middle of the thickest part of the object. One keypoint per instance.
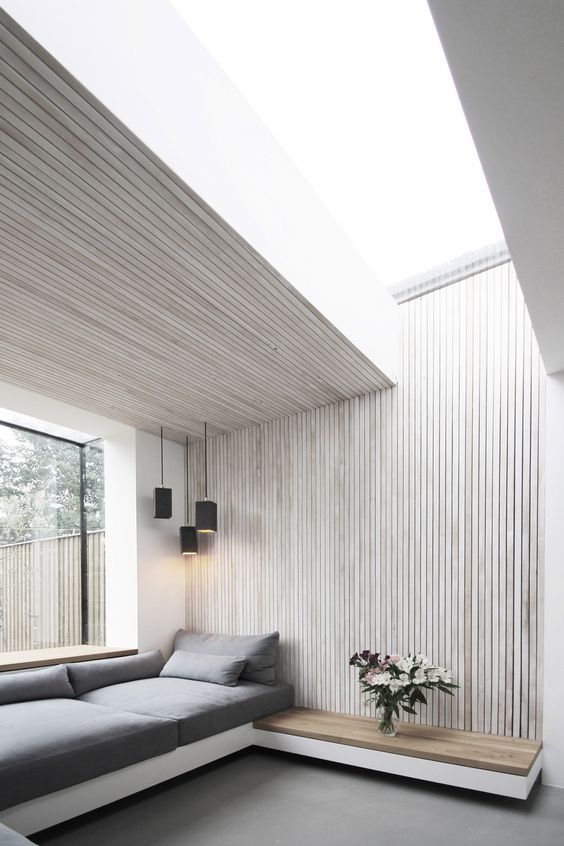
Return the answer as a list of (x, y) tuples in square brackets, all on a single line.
[(46, 745), (121, 711)]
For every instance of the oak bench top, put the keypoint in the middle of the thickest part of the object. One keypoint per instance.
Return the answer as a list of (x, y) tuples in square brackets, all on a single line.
[(453, 746)]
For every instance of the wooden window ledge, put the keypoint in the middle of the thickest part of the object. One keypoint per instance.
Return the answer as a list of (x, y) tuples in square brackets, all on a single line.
[(28, 658)]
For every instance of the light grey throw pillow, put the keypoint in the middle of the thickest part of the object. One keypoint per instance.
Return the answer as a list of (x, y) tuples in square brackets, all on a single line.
[(45, 683), (217, 669), (90, 675), (260, 650)]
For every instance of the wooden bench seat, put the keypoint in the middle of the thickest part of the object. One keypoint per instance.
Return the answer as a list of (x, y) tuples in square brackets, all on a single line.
[(505, 765)]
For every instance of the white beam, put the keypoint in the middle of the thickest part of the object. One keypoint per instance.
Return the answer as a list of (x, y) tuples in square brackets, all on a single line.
[(507, 62)]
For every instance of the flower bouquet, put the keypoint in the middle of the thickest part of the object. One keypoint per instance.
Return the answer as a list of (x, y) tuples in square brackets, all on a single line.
[(394, 681)]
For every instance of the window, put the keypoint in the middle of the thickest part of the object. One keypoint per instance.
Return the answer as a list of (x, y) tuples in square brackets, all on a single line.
[(52, 573)]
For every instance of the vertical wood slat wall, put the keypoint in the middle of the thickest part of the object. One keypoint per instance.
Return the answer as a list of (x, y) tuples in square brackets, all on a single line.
[(40, 593), (405, 519)]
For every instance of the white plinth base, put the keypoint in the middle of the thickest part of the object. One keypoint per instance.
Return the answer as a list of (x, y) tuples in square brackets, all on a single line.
[(470, 778), (54, 808)]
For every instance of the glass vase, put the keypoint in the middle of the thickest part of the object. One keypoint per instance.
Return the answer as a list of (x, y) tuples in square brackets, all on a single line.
[(386, 722)]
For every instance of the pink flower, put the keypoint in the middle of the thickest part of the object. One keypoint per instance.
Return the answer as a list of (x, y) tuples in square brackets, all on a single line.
[(370, 677), (394, 659)]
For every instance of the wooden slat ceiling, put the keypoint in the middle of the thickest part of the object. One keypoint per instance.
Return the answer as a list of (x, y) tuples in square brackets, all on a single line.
[(122, 292)]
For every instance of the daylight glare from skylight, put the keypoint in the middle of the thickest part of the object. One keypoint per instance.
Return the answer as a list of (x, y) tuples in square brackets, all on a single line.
[(360, 96)]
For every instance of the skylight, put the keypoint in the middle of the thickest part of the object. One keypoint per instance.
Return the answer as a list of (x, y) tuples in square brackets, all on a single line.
[(14, 418), (361, 97)]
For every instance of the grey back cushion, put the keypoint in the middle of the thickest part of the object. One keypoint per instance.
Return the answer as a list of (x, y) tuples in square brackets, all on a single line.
[(90, 675), (217, 669), (46, 683), (260, 651)]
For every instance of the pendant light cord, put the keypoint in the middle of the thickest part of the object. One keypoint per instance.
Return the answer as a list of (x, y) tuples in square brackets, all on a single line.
[(205, 460), (186, 480), (162, 460)]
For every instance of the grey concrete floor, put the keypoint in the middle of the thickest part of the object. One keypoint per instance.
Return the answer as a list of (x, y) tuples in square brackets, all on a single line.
[(262, 798)]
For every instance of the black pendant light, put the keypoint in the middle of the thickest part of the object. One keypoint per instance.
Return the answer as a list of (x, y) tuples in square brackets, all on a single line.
[(188, 540), (206, 510), (188, 534), (163, 496)]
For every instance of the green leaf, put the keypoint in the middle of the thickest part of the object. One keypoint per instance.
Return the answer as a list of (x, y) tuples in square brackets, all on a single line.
[(444, 689)]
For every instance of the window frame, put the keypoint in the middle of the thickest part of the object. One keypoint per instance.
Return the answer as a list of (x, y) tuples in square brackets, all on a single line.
[(83, 534)]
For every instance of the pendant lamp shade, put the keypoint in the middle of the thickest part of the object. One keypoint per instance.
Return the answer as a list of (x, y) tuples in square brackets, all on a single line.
[(188, 540), (162, 498), (206, 516), (206, 510), (188, 534)]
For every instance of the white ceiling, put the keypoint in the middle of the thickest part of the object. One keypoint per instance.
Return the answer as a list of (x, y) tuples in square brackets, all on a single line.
[(507, 60), (124, 293)]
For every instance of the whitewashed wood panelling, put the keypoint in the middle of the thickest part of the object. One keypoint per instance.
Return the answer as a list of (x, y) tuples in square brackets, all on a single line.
[(404, 519), (122, 292)]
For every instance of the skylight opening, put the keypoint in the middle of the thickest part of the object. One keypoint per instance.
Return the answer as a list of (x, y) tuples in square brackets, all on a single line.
[(361, 98)]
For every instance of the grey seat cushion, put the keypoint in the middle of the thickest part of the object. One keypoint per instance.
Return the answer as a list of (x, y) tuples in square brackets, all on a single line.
[(50, 744), (11, 838), (200, 708)]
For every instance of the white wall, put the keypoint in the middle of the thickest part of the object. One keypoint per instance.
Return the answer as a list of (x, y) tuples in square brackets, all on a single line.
[(553, 734), (160, 566), (145, 583), (142, 61)]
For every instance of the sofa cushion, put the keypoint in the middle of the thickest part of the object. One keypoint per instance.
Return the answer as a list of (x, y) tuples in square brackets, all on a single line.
[(11, 838), (88, 675), (200, 709), (46, 683), (54, 743), (260, 650), (217, 669)]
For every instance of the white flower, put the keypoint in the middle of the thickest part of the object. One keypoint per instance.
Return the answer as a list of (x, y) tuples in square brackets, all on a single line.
[(395, 685), (445, 677), (405, 665), (420, 677), (404, 679), (432, 676), (383, 679)]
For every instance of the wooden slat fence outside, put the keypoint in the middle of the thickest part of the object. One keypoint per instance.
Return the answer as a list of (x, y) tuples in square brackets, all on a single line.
[(40, 593), (405, 519)]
